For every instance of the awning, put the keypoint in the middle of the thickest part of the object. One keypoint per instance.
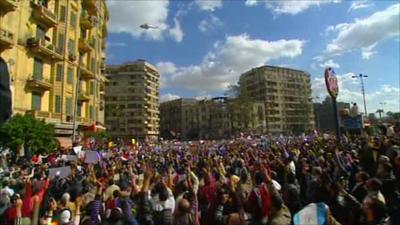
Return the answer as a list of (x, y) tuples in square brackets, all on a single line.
[(65, 142)]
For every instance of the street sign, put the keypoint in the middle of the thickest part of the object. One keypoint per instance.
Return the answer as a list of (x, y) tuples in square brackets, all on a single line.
[(331, 82)]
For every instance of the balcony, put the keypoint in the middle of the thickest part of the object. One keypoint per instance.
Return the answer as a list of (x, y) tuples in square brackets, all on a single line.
[(43, 49), (86, 73), (44, 16), (38, 114), (84, 45), (39, 84), (8, 5), (90, 6), (6, 38), (72, 57), (87, 21), (83, 97)]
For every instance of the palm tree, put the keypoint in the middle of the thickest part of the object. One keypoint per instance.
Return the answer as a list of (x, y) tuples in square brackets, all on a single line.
[(379, 111)]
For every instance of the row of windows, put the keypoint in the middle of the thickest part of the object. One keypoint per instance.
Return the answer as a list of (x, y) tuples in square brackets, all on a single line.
[(37, 105)]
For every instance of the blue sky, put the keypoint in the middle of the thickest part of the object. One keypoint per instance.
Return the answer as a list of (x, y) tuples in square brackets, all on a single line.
[(200, 47)]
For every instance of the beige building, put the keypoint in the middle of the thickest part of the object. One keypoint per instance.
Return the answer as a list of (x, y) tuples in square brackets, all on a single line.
[(46, 44), (218, 117), (286, 94), (132, 100)]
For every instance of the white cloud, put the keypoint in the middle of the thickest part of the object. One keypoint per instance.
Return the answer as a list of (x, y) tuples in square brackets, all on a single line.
[(349, 91), (169, 97), (127, 16), (227, 60), (203, 97), (365, 34), (329, 63), (208, 5), (291, 7), (251, 2), (359, 5), (210, 23), (166, 68), (176, 32)]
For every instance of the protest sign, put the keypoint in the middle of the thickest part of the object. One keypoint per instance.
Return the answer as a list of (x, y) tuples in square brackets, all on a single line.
[(77, 149), (312, 214), (91, 157), (60, 172)]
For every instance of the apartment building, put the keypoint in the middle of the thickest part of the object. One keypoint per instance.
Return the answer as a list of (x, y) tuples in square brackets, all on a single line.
[(132, 100), (218, 117), (55, 52), (286, 94)]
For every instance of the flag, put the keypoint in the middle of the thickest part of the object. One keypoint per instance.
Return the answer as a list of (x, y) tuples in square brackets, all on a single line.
[(312, 214)]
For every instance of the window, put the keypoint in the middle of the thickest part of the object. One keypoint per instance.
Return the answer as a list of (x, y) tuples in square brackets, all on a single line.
[(37, 69), (79, 110), (70, 75), (59, 72), (91, 87), (93, 65), (68, 104), (92, 112), (62, 13), (60, 43), (40, 33), (72, 20), (58, 104), (36, 101), (71, 46)]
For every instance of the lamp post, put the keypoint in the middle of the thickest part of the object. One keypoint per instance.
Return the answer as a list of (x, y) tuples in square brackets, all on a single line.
[(362, 76)]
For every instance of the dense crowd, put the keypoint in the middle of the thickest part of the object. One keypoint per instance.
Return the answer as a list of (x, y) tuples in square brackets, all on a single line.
[(247, 180)]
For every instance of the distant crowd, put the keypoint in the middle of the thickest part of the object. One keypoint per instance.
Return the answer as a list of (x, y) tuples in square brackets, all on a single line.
[(248, 180)]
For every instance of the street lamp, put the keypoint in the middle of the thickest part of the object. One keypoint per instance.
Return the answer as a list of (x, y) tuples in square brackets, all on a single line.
[(147, 26), (362, 76)]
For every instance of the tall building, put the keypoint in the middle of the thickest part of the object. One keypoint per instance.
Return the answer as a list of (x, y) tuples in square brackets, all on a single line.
[(286, 94), (324, 119), (209, 118), (48, 45), (132, 94)]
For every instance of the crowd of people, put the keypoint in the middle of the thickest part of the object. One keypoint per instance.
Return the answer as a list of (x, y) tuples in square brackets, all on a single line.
[(246, 180)]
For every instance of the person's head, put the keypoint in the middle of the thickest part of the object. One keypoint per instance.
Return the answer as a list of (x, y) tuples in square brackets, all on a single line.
[(184, 206), (373, 208), (116, 194), (362, 177), (65, 198), (374, 185), (259, 178), (65, 216)]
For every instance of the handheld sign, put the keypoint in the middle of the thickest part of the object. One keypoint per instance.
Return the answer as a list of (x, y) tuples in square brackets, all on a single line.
[(312, 214), (92, 157), (61, 172)]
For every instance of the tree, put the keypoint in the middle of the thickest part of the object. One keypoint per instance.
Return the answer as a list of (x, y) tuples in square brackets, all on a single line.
[(379, 111), (34, 135)]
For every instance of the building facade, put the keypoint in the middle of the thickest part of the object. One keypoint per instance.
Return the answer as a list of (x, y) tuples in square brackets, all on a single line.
[(286, 94), (209, 118), (55, 51), (324, 117), (132, 100)]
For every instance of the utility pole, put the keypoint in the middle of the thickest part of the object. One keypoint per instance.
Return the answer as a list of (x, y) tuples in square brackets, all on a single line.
[(362, 76)]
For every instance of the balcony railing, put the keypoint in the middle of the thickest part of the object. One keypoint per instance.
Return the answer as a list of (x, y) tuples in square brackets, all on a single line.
[(8, 5), (6, 38), (44, 49), (86, 73), (84, 45), (39, 83), (71, 57), (44, 15), (83, 97), (90, 6), (38, 114), (87, 21)]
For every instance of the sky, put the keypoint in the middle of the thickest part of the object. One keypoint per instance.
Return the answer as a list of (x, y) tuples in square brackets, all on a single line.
[(201, 47)]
